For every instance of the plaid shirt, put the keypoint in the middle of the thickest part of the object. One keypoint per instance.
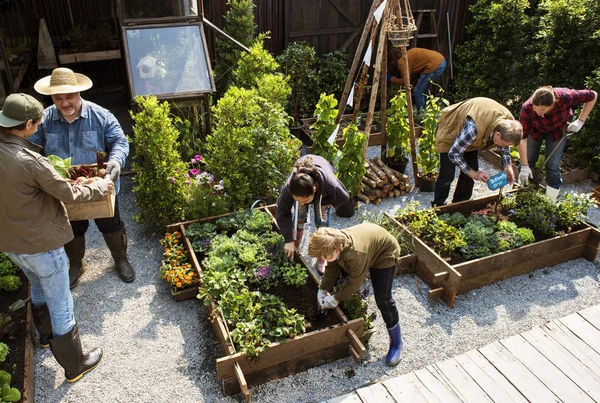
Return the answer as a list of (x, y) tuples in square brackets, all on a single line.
[(556, 122), (465, 138)]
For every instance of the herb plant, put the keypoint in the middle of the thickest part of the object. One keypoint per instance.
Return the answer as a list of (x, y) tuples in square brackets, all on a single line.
[(351, 165)]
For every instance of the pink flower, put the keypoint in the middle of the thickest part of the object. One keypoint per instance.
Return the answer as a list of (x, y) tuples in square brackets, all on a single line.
[(194, 171), (173, 180), (197, 158)]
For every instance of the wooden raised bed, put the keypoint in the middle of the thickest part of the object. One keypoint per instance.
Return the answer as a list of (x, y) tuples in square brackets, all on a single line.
[(28, 395), (236, 372), (188, 293), (596, 193), (447, 281)]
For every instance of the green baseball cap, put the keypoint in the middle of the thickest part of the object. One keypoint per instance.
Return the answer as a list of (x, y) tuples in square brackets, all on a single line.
[(19, 108)]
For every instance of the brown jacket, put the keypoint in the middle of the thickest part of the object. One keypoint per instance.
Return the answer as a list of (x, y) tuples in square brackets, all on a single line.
[(486, 113), (369, 247), (32, 217), (420, 61)]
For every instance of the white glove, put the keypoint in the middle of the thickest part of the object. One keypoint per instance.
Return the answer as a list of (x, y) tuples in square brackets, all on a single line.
[(113, 169), (106, 186), (329, 302), (321, 297), (525, 174), (321, 263), (575, 126)]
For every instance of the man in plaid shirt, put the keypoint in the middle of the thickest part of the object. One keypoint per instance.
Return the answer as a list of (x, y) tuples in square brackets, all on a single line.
[(545, 117)]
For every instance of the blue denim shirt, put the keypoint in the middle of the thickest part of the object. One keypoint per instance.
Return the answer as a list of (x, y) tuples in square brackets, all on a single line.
[(96, 129)]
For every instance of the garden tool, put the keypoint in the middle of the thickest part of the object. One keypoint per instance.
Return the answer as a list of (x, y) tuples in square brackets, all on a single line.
[(18, 304), (556, 147)]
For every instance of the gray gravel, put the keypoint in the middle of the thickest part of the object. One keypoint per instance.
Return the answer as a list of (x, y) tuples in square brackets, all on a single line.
[(158, 350)]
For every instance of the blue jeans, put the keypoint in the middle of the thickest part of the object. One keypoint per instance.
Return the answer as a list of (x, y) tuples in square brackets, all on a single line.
[(382, 280), (48, 274), (303, 214), (553, 176), (422, 88)]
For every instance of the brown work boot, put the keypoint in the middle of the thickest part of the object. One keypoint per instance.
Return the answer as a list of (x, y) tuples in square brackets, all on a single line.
[(41, 320), (75, 250), (117, 243), (68, 353)]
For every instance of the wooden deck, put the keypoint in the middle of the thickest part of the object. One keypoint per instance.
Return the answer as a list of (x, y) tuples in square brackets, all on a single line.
[(558, 362)]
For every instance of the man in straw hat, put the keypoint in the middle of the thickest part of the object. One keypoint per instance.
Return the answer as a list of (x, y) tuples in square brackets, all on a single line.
[(77, 129), (35, 227)]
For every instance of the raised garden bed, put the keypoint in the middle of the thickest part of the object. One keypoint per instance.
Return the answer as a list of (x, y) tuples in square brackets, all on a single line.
[(448, 280), (328, 337), (20, 359), (570, 171)]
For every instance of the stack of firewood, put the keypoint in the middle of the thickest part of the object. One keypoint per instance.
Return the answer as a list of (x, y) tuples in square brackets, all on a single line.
[(381, 181)]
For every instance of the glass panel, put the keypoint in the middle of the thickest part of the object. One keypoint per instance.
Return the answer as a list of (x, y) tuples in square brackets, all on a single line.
[(167, 60), (142, 9)]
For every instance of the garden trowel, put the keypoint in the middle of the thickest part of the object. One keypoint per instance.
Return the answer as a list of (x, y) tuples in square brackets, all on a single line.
[(18, 304)]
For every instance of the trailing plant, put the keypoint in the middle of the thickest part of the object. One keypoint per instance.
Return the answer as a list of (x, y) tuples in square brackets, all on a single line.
[(297, 62), (7, 393), (9, 281), (175, 269), (250, 148), (351, 165), (398, 128), (160, 186), (427, 158), (239, 24), (326, 112)]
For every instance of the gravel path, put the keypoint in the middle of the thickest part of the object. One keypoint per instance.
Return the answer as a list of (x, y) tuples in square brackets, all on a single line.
[(158, 350)]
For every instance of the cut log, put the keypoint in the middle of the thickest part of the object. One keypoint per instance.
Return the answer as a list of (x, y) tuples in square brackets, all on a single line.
[(377, 171), (363, 198), (372, 192), (391, 176), (397, 192), (402, 177), (370, 175), (369, 182)]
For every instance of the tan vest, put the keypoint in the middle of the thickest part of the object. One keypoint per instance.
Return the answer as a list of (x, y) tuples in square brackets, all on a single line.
[(486, 113)]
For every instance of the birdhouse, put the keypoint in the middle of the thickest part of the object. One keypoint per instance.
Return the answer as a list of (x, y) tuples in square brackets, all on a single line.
[(147, 67)]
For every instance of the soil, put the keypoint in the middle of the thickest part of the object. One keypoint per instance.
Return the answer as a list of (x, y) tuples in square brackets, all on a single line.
[(15, 337)]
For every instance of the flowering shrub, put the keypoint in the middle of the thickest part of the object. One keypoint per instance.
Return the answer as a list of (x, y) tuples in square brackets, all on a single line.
[(207, 195), (175, 269)]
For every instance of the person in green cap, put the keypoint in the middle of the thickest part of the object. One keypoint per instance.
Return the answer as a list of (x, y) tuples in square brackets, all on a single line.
[(35, 227)]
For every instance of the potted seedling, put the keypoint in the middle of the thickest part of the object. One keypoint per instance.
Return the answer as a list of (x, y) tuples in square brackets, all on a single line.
[(351, 168), (398, 133), (427, 158)]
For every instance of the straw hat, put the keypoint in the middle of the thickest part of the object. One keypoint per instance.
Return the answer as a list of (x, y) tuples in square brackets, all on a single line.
[(63, 81)]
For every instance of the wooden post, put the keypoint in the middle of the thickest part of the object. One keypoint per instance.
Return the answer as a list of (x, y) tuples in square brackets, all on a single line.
[(357, 59), (383, 107), (411, 119)]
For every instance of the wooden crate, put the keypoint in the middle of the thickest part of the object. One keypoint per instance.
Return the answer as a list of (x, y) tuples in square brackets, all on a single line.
[(447, 281), (102, 208), (236, 372), (188, 293)]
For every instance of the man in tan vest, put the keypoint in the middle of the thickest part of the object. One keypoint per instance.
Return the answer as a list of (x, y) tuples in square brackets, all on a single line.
[(465, 127)]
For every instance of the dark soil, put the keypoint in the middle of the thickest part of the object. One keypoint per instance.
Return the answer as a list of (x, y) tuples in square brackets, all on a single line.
[(14, 335)]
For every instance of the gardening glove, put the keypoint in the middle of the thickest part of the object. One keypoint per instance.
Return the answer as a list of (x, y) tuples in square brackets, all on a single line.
[(575, 126), (321, 263), (525, 174), (113, 169), (321, 297), (329, 302), (106, 186)]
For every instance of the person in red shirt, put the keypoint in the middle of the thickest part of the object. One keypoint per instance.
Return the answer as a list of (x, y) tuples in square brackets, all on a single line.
[(545, 118)]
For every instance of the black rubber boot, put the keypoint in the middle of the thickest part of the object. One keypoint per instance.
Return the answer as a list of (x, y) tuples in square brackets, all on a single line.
[(68, 352), (117, 243), (75, 251), (41, 319)]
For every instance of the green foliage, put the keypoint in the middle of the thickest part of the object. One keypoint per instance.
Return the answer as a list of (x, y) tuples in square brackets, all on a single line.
[(398, 128), (326, 111), (332, 73), (159, 186), (479, 240), (510, 236), (427, 158), (585, 146), (190, 123), (200, 236), (207, 197), (9, 281), (239, 24), (252, 66), (499, 59), (250, 148), (294, 274), (456, 219), (541, 214), (297, 62), (356, 306), (7, 394), (569, 36), (61, 166), (351, 165)]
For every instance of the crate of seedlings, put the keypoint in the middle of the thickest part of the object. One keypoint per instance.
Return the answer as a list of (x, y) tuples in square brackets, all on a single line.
[(263, 306), (470, 244)]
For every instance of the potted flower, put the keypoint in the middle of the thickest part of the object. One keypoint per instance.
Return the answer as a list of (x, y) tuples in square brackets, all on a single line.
[(351, 168), (398, 133), (427, 158)]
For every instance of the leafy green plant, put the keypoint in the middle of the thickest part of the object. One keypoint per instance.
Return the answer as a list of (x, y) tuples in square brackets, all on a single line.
[(9, 281), (332, 73), (294, 274), (351, 165), (585, 146), (160, 186), (326, 111), (355, 306), (207, 196), (297, 62), (239, 24), (427, 158), (398, 128), (254, 65), (7, 394)]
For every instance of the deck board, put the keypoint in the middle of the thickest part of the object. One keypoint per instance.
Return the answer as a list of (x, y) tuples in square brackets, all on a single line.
[(461, 382), (583, 329), (404, 390), (592, 315), (376, 393)]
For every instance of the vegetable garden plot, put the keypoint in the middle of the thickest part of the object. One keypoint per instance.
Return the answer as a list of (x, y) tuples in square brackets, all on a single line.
[(282, 333), (448, 278)]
